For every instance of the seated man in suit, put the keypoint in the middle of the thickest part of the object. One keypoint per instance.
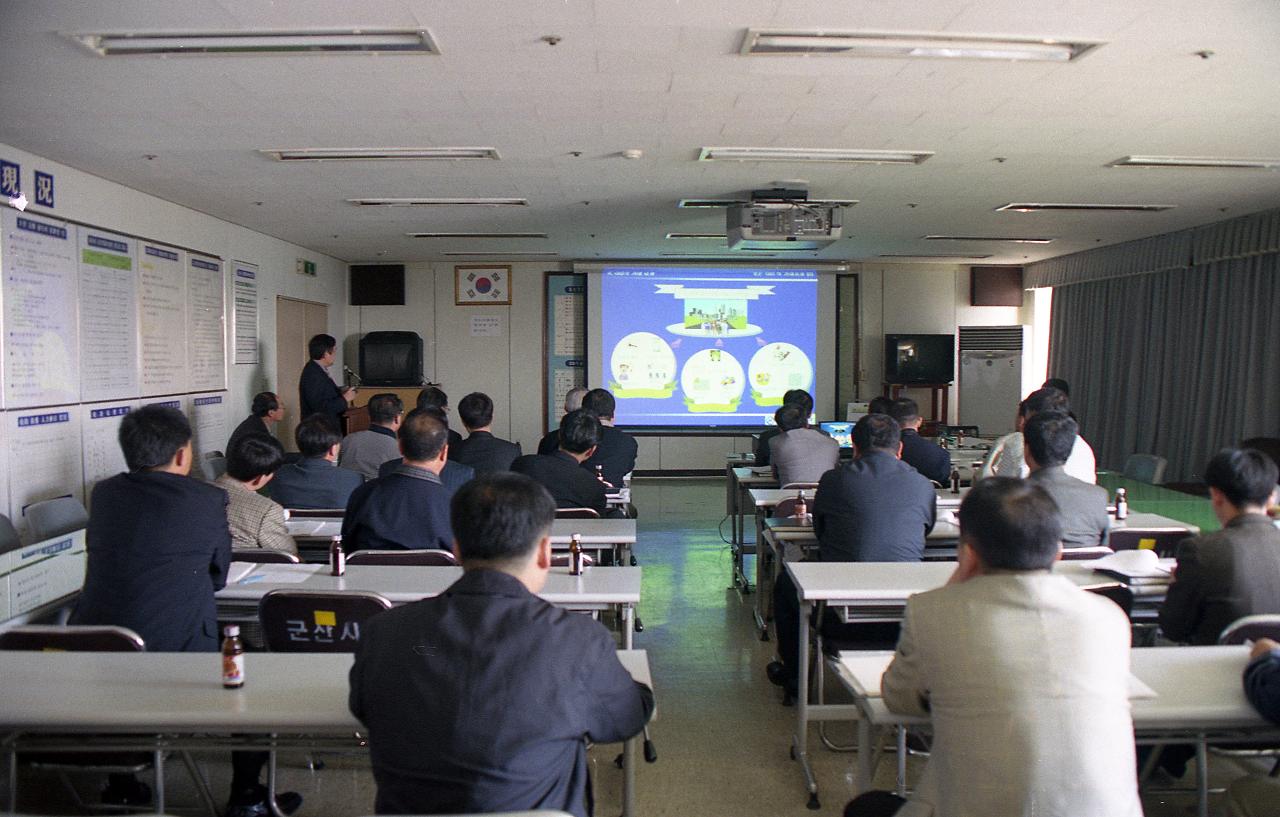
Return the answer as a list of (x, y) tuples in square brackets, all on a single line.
[(1005, 457), (256, 521), (1233, 572), (799, 453), (562, 473), (158, 549), (493, 714), (454, 474), (267, 410), (315, 481), (933, 461), (796, 397), (1029, 699), (481, 450), (875, 509), (1082, 508), (1262, 679), (409, 508), (550, 442), (615, 456), (317, 393), (434, 397), (364, 451)]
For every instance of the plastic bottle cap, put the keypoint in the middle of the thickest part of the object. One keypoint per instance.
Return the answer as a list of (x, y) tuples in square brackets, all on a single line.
[(232, 630)]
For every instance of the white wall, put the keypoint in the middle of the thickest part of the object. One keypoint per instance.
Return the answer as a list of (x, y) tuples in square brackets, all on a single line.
[(92, 200)]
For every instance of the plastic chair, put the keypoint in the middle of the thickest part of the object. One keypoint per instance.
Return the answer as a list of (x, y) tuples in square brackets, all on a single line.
[(1165, 543), (1119, 593), (307, 621), (430, 557), (55, 517), (1080, 554), (314, 513), (577, 513), (800, 486), (264, 556), (562, 560), (1251, 628), (1146, 468), (42, 637)]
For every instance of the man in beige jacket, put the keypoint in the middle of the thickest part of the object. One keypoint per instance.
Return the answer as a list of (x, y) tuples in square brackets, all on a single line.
[(1023, 674), (255, 520)]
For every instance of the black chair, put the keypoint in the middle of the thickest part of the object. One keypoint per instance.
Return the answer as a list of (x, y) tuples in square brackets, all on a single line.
[(39, 638), (315, 513), (55, 517), (308, 621), (562, 560), (1119, 593), (264, 556), (1165, 543), (1085, 553), (577, 513), (1251, 628), (429, 557)]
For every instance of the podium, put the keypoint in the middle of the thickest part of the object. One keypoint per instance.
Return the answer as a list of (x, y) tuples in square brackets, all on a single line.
[(937, 400)]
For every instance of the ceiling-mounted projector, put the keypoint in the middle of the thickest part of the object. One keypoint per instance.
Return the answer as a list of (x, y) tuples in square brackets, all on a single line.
[(782, 219)]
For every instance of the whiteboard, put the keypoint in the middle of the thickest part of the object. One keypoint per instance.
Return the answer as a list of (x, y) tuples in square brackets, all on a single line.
[(108, 316), (209, 423), (162, 319), (206, 309), (45, 457), (41, 345), (99, 433)]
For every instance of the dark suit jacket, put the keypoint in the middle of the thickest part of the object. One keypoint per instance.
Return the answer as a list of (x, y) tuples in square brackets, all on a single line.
[(1262, 685), (616, 453), (453, 477), (249, 426), (1081, 506), (158, 547), (479, 700), (313, 482), (571, 485), (762, 445), (318, 394), (406, 510), (1223, 576), (875, 509), (485, 453), (549, 443), (933, 461)]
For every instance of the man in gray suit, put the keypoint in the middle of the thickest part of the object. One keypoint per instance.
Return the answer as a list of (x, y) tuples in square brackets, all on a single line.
[(364, 451), (1049, 437), (1028, 699), (799, 453)]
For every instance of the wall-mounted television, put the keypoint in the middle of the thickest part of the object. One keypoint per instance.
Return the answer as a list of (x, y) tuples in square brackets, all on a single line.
[(391, 359), (919, 358)]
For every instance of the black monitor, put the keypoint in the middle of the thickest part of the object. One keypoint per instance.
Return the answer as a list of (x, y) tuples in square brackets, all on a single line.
[(391, 359), (919, 358)]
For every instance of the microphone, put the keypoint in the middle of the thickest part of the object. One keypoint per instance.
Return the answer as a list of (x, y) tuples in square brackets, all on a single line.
[(347, 371)]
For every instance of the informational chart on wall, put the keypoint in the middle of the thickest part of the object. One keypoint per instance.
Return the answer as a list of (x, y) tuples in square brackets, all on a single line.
[(108, 316), (209, 423), (162, 316), (206, 339), (244, 291), (45, 457), (99, 430), (565, 340), (706, 346)]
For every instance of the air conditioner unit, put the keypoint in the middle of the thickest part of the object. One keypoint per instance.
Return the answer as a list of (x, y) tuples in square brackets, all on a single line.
[(995, 367), (782, 225)]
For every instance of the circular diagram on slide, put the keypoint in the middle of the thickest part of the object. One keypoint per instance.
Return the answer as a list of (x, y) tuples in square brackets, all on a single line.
[(712, 380), (642, 365), (775, 369)]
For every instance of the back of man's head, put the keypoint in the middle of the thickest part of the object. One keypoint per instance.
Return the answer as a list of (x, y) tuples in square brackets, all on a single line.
[(876, 432), (263, 404), (253, 456), (422, 435), (600, 402), (500, 517), (573, 398), (432, 397), (151, 435), (476, 410), (801, 398), (1012, 524), (879, 405), (579, 431), (790, 416), (904, 411), (1245, 476), (319, 346), (1049, 437), (1059, 384), (1044, 400), (315, 435), (385, 408)]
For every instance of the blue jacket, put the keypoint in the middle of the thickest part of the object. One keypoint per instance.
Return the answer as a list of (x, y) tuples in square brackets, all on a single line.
[(933, 461), (406, 510), (875, 509), (313, 482)]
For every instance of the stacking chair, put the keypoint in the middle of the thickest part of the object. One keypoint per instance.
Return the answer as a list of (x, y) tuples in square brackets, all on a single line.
[(562, 560), (56, 517), (35, 638), (800, 486), (1164, 543), (315, 513), (1146, 468), (1117, 592), (264, 556), (577, 513), (430, 557), (308, 621), (1081, 554), (1251, 628)]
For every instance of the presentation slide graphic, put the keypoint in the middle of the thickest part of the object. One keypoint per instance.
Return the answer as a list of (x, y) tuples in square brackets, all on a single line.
[(707, 346)]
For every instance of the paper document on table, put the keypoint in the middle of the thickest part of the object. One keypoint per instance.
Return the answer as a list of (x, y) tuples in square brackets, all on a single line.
[(282, 574), (1137, 689)]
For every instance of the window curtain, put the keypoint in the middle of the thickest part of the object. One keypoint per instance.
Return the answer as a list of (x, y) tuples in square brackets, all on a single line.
[(1178, 363)]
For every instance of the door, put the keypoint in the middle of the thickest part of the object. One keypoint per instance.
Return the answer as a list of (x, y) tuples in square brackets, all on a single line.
[(296, 322)]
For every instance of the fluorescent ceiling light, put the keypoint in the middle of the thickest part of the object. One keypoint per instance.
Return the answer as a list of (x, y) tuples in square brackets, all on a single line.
[(988, 238), (708, 236), (1037, 207), (476, 235), (700, 203), (1196, 162), (490, 254), (932, 256), (367, 154), (292, 43), (758, 42), (439, 202), (838, 155)]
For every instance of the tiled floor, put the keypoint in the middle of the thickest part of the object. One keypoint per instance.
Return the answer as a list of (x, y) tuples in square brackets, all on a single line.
[(722, 736)]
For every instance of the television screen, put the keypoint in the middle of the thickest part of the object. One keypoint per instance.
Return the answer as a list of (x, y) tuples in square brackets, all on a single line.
[(840, 432), (391, 359), (919, 358)]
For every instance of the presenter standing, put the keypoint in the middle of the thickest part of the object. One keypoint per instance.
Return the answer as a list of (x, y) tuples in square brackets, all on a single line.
[(317, 393)]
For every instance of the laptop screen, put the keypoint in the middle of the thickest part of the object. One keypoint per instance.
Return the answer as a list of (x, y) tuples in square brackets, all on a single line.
[(839, 432)]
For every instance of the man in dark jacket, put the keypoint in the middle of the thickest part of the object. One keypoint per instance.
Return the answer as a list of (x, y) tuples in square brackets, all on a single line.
[(317, 393), (933, 461), (481, 450), (315, 480), (482, 698), (615, 455), (562, 473)]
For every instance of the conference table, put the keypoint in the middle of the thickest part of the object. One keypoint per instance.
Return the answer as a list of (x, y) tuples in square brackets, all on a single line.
[(1197, 699), (73, 701), (597, 589)]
